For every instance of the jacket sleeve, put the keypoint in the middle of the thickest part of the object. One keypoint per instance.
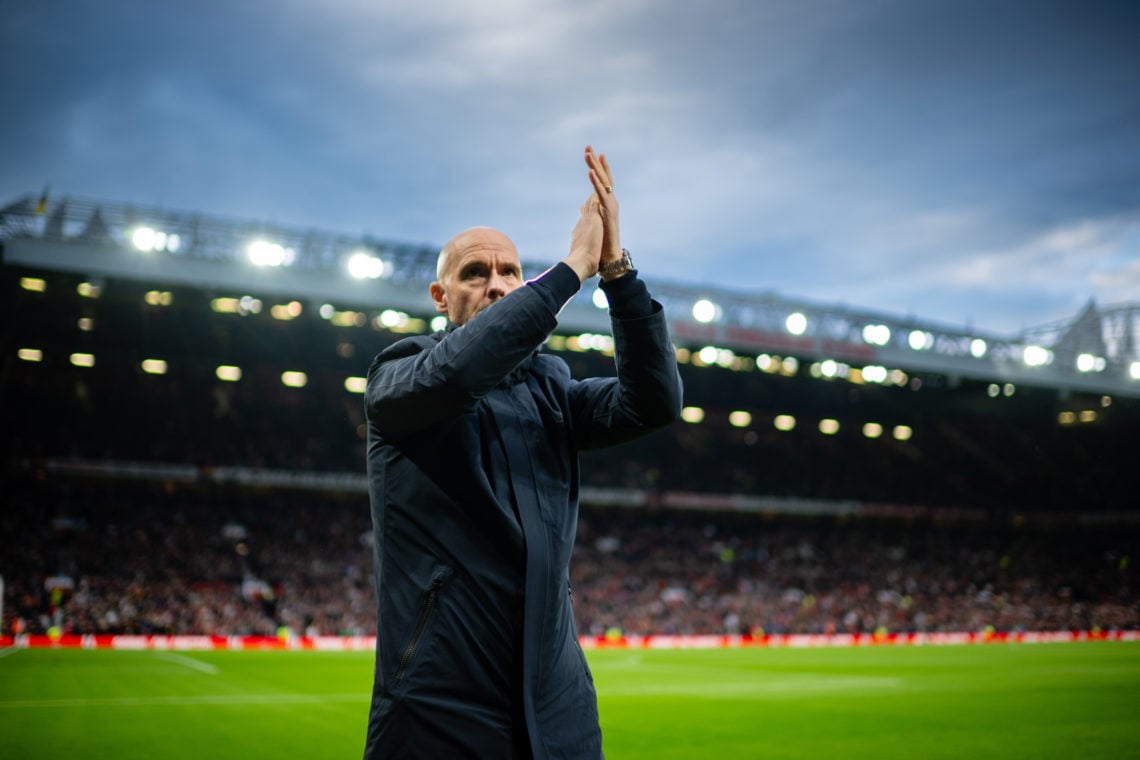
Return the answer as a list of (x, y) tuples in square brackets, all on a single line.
[(646, 394), (421, 382)]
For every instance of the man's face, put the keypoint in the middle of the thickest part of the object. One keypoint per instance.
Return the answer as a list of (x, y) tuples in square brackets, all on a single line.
[(480, 266)]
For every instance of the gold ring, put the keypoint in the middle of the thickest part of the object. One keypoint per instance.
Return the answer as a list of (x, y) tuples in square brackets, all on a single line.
[(609, 188)]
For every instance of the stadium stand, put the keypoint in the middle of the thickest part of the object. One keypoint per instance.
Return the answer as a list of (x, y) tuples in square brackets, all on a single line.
[(148, 490)]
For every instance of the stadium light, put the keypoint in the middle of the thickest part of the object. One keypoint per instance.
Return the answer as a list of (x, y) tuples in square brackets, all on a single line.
[(875, 374), (30, 354), (693, 414), (872, 430), (148, 240), (88, 290), (294, 379), (796, 323), (1090, 363), (829, 426), (365, 266), (438, 323), (263, 253), (705, 311), (978, 348), (355, 384), (228, 373), (599, 299), (740, 418), (286, 311), (920, 340), (390, 318), (82, 360), (1036, 356), (1134, 370), (86, 324), (877, 335), (903, 432), (154, 366), (784, 422), (34, 284), (829, 368)]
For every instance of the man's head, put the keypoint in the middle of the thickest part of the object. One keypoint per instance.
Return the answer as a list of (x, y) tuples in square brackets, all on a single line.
[(476, 268)]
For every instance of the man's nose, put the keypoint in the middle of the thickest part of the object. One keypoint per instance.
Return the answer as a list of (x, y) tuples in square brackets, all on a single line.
[(497, 287)]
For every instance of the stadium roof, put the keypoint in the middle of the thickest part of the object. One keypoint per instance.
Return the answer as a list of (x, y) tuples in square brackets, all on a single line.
[(1095, 351)]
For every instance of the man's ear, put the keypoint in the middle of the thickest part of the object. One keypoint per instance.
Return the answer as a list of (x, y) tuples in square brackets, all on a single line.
[(439, 295)]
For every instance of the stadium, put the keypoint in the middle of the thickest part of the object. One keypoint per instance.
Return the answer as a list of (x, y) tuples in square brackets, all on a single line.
[(861, 515)]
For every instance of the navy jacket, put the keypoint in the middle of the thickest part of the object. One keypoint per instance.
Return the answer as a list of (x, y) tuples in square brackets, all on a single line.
[(473, 440)]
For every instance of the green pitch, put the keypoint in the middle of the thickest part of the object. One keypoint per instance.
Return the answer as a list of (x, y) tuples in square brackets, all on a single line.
[(997, 701)]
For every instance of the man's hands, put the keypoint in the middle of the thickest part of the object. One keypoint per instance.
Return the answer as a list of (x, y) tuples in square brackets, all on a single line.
[(596, 240), (603, 180), (586, 240)]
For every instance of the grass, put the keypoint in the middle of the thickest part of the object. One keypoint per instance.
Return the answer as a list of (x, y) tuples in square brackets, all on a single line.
[(1007, 701)]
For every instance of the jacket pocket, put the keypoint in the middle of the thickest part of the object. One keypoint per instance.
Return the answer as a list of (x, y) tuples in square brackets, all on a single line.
[(431, 599)]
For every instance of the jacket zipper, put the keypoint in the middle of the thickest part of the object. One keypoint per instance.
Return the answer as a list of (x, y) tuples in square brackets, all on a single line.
[(421, 624)]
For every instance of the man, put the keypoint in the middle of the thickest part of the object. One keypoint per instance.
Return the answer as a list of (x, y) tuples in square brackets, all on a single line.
[(473, 440)]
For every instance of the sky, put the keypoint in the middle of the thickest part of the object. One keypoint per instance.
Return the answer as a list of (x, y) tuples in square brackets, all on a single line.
[(973, 163)]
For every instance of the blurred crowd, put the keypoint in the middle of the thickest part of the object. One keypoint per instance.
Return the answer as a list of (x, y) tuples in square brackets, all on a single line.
[(116, 556), (241, 562)]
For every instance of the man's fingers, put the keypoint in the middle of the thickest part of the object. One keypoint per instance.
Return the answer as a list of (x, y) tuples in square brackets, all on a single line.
[(606, 173), (599, 185), (598, 164)]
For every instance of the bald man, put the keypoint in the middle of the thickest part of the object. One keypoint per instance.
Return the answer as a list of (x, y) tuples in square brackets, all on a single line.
[(473, 441)]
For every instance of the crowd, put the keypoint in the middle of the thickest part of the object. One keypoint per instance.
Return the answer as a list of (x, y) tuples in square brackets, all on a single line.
[(241, 562), (111, 556)]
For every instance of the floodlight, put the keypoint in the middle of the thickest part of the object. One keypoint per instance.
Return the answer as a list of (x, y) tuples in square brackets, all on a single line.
[(365, 266), (920, 340), (784, 422), (1036, 356), (599, 299), (355, 384), (30, 354), (263, 253), (1090, 363), (705, 311), (978, 348), (829, 426), (877, 335), (796, 323)]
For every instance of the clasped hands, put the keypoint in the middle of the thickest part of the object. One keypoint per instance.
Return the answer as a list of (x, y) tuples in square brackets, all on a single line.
[(596, 241)]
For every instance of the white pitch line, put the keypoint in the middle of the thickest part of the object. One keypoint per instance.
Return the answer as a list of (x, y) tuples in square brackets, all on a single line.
[(217, 699), (190, 662), (9, 650)]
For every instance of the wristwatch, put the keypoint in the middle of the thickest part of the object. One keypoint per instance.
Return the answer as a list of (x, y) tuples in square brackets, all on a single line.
[(617, 266)]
